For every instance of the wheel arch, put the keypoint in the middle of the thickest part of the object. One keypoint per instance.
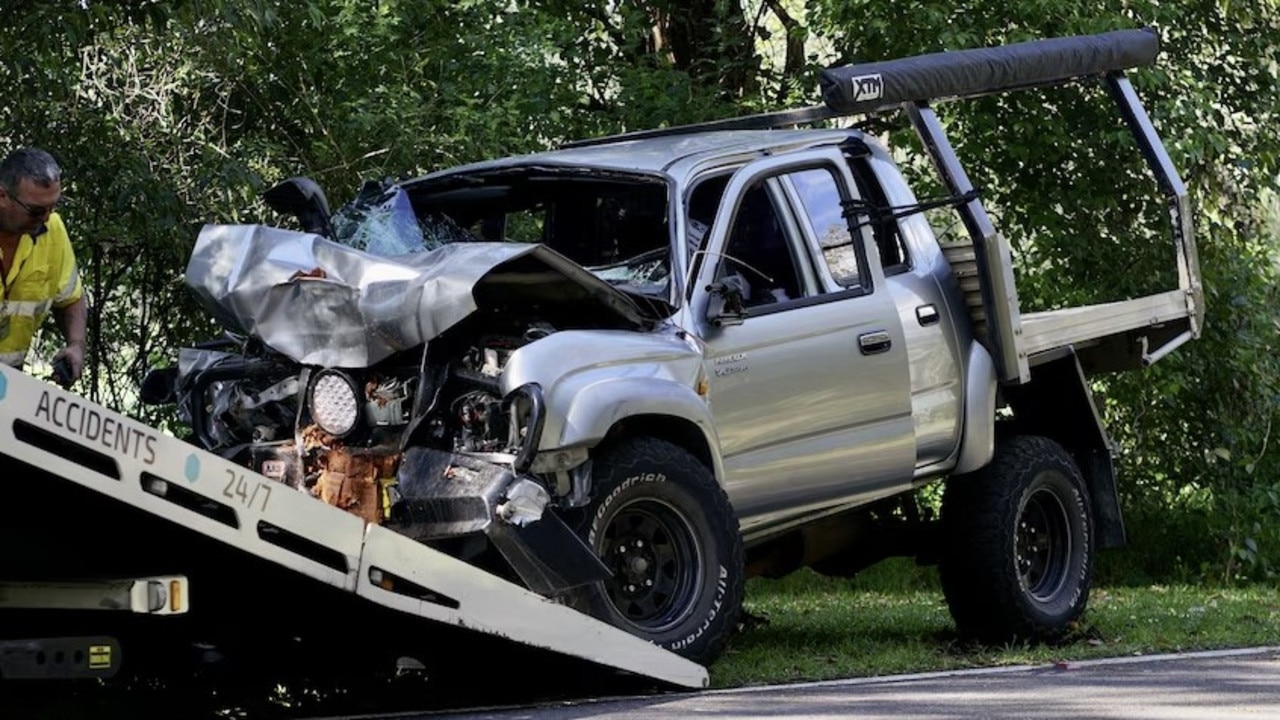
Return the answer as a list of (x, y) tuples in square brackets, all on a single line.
[(674, 429), (1058, 404), (606, 410)]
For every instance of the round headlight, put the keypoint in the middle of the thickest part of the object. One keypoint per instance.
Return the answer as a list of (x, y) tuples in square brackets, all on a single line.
[(335, 405)]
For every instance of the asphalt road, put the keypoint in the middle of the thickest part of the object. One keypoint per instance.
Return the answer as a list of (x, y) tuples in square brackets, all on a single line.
[(1219, 685)]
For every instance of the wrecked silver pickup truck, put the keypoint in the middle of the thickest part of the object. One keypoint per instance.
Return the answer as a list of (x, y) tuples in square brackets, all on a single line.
[(632, 372)]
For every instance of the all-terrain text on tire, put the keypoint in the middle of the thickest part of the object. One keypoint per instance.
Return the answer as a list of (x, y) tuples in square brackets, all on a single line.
[(666, 531)]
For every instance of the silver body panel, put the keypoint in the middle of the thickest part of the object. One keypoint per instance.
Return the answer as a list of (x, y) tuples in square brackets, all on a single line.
[(673, 156), (934, 350), (806, 422), (591, 379)]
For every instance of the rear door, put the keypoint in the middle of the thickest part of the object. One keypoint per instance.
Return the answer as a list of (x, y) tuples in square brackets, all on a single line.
[(810, 392)]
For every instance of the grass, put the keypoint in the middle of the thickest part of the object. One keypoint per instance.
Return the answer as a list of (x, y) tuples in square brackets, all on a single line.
[(893, 619)]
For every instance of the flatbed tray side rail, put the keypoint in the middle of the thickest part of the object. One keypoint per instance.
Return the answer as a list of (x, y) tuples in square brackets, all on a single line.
[(101, 450)]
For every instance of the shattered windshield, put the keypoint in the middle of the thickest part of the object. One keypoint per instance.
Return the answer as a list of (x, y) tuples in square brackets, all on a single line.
[(382, 221), (647, 273), (614, 227)]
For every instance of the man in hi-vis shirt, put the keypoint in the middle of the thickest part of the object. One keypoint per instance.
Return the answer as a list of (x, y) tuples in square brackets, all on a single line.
[(37, 265)]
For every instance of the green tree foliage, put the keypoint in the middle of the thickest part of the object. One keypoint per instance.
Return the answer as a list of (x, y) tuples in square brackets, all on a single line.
[(167, 114)]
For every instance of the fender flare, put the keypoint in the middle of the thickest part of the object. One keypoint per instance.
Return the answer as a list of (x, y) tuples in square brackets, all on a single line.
[(592, 410), (978, 443)]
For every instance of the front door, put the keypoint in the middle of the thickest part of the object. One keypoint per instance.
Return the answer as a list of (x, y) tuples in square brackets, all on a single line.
[(810, 393)]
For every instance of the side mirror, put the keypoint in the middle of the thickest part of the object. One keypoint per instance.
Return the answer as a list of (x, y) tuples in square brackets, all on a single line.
[(727, 306), (159, 386)]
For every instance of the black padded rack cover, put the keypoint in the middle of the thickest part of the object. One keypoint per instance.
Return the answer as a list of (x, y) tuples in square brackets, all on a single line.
[(852, 89)]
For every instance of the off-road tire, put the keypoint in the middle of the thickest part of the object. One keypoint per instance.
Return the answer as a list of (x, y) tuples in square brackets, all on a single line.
[(666, 530), (1019, 549)]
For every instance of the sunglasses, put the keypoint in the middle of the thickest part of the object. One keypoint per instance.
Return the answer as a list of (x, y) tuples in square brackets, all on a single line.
[(36, 211)]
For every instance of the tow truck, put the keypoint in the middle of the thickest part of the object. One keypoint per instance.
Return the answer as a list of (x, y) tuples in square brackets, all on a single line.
[(126, 545)]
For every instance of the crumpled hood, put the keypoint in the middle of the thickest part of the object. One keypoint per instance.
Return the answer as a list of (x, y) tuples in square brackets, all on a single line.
[(322, 303)]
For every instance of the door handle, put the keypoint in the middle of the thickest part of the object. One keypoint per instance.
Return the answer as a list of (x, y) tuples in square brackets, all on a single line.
[(877, 341)]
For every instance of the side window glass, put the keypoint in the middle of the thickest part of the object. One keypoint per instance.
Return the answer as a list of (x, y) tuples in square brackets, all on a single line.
[(820, 197), (760, 251)]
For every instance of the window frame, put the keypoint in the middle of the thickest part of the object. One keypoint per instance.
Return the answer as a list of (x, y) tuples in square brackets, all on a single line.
[(770, 170)]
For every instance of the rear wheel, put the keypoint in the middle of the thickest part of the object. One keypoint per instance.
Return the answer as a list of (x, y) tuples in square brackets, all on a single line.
[(666, 531), (1019, 555)]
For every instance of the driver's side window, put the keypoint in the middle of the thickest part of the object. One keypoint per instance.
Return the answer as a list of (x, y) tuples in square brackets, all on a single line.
[(759, 250)]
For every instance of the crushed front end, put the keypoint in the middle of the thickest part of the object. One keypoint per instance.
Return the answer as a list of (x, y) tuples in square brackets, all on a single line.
[(375, 384)]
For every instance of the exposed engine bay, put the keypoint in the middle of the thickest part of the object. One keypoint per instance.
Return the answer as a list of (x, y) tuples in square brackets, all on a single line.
[(425, 442), (341, 434)]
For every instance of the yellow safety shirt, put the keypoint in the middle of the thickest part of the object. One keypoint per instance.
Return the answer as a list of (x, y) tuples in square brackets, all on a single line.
[(42, 275)]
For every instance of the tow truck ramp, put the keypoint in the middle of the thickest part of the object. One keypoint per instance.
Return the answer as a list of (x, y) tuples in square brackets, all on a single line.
[(45, 427)]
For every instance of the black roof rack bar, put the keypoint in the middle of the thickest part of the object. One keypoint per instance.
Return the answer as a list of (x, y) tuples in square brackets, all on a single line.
[(853, 89), (884, 86)]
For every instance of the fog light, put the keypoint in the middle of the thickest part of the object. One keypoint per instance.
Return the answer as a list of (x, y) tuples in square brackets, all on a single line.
[(334, 402)]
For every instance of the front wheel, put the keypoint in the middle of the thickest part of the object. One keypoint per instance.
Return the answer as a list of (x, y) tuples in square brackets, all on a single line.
[(665, 529), (1019, 556)]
